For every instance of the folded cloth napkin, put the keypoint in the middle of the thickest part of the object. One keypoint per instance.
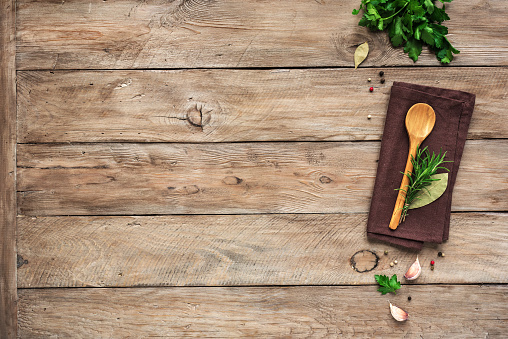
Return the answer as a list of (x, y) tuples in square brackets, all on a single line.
[(431, 222)]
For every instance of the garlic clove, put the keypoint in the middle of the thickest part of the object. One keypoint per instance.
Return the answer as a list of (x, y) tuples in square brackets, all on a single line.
[(398, 313), (414, 271)]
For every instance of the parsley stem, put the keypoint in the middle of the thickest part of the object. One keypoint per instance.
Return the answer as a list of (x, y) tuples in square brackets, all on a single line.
[(391, 16)]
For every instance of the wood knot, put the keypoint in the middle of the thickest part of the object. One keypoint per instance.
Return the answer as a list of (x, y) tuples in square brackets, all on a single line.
[(198, 115), (364, 261), (325, 180), (185, 190), (232, 180), (192, 189)]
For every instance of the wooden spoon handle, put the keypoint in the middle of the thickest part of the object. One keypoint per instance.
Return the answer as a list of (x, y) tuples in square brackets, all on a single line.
[(401, 197)]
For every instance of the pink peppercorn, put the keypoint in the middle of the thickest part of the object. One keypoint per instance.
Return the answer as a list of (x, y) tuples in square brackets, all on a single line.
[(371, 89), (432, 262)]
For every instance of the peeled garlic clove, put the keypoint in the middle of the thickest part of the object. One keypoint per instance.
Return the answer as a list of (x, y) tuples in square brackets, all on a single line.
[(398, 313), (414, 271)]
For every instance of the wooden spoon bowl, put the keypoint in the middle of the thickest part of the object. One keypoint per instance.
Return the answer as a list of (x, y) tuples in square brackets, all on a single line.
[(420, 120)]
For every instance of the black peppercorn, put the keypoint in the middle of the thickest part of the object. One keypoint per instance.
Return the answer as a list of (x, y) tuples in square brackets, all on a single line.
[(409, 298), (381, 73), (383, 80), (439, 254)]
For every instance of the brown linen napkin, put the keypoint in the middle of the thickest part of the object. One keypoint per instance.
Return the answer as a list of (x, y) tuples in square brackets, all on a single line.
[(453, 114)]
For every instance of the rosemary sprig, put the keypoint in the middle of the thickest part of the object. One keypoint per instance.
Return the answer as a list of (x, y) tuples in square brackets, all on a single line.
[(424, 167)]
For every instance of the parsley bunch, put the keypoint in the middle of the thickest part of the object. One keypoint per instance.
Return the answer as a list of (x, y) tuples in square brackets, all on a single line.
[(410, 23)]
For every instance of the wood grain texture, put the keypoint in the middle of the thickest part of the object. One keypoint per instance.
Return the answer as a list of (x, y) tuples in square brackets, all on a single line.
[(8, 295), (317, 312), (207, 250), (151, 162), (124, 34), (135, 179), (236, 105)]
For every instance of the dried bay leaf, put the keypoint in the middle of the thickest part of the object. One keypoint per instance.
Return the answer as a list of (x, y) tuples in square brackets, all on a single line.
[(361, 53), (432, 192)]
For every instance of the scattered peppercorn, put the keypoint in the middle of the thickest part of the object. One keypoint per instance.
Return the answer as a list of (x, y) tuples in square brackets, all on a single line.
[(439, 254), (395, 262), (371, 89), (391, 264), (369, 79), (432, 268), (381, 73), (369, 116), (383, 80), (409, 298), (432, 262), (386, 252)]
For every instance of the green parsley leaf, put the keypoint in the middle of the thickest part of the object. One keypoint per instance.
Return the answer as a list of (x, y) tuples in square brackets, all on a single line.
[(427, 36), (387, 284), (413, 49), (439, 15), (429, 5), (407, 23), (396, 33), (373, 11), (446, 51), (419, 29), (416, 8)]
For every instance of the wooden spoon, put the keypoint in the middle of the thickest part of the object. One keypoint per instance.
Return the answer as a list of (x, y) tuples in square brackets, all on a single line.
[(420, 120)]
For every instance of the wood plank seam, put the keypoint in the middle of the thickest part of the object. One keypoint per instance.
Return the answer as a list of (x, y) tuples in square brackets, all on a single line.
[(257, 68)]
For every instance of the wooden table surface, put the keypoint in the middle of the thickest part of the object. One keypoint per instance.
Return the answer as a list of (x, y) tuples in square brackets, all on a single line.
[(205, 168)]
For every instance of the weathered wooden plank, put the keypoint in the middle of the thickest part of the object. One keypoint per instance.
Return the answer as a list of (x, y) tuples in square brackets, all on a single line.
[(264, 312), (235, 105), (287, 249), (8, 294), (101, 34), (135, 179)]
